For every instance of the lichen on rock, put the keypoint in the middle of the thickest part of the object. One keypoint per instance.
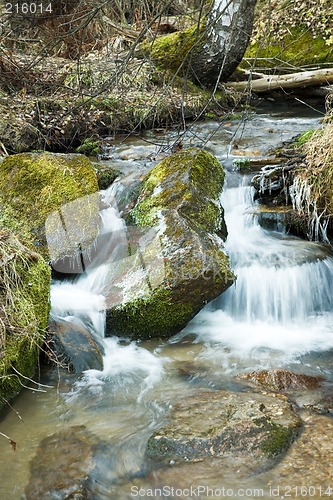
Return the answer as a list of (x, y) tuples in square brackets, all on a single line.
[(184, 264)]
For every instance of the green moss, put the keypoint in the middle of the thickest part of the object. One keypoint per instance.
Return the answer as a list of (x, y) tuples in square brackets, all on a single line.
[(298, 48), (278, 440), (243, 164), (304, 137), (16, 226), (152, 317), (191, 181), (90, 147), (24, 304), (172, 50), (105, 175), (36, 185)]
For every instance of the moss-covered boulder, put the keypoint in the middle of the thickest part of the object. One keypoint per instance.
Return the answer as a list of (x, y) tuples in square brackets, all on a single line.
[(40, 189), (24, 310), (178, 264), (215, 424)]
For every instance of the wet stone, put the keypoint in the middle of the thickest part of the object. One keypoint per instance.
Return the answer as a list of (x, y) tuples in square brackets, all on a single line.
[(74, 347), (61, 467), (308, 462), (283, 380), (219, 423)]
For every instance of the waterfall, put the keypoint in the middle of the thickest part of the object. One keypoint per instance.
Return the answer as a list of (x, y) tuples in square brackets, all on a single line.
[(82, 300), (282, 300), (83, 296)]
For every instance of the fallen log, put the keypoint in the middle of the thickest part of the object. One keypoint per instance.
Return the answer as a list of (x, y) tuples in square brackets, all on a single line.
[(293, 80)]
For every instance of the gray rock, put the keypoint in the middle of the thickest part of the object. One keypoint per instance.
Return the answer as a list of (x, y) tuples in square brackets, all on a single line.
[(61, 467), (215, 424), (74, 347)]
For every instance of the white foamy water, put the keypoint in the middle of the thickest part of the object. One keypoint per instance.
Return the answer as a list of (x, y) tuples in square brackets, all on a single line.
[(83, 299), (125, 366), (280, 307)]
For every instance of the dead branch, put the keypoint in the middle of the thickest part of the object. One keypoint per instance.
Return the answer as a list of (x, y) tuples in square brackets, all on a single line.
[(290, 81)]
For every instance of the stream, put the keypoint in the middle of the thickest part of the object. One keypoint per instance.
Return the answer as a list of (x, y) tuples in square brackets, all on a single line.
[(279, 314)]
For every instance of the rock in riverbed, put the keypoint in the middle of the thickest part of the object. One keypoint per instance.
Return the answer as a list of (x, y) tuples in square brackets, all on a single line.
[(219, 423), (174, 272)]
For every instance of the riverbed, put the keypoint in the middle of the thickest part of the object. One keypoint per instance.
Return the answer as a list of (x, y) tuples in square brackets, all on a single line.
[(278, 315)]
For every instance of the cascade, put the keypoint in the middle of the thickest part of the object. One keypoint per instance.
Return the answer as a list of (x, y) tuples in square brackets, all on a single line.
[(278, 315), (82, 300), (282, 300)]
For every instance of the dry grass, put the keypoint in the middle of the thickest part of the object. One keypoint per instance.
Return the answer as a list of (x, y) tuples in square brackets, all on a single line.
[(319, 171), (17, 315), (312, 189)]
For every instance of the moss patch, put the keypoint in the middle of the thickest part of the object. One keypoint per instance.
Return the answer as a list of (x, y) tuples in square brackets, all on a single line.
[(191, 182), (279, 439), (106, 175), (292, 34), (90, 147), (172, 51), (155, 316), (24, 299), (296, 49)]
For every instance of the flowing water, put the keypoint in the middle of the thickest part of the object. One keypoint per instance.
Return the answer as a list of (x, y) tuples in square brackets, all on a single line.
[(278, 314)]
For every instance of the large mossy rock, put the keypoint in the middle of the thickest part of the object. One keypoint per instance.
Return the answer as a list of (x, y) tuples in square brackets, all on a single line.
[(42, 187), (24, 309), (218, 423), (183, 263)]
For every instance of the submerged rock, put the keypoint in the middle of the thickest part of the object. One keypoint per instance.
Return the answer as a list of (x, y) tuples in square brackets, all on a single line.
[(41, 189), (216, 424), (24, 309), (308, 462), (283, 380), (74, 347), (283, 219), (60, 470), (178, 264)]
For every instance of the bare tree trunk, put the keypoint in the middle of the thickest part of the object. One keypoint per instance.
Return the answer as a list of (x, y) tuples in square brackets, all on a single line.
[(226, 36)]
